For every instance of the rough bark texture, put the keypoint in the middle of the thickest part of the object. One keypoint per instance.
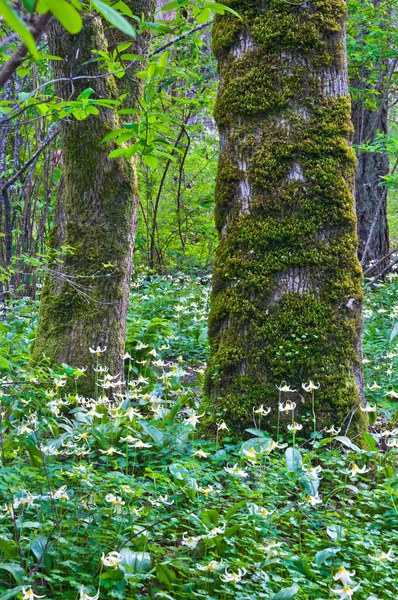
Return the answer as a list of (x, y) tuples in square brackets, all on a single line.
[(370, 116), (84, 304), (286, 298)]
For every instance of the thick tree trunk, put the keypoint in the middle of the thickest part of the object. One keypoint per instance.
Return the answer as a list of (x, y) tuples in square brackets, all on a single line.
[(286, 298), (84, 301)]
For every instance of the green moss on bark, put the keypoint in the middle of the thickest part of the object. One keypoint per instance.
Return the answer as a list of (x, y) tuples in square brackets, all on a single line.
[(286, 294)]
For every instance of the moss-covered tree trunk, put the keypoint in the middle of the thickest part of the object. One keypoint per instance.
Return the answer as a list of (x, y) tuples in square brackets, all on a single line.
[(84, 301), (286, 298)]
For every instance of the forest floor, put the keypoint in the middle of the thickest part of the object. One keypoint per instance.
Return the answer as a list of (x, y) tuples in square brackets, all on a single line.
[(126, 499)]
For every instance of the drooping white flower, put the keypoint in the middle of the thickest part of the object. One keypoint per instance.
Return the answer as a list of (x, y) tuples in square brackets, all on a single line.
[(344, 576), (368, 408), (112, 559), (190, 541), (84, 596), (333, 431), (200, 453), (287, 407), (263, 412), (212, 566), (232, 577), (140, 444), (295, 427), (111, 451), (384, 556), (355, 470), (97, 350), (310, 387), (374, 386), (222, 426), (28, 594), (285, 388), (193, 419), (345, 592)]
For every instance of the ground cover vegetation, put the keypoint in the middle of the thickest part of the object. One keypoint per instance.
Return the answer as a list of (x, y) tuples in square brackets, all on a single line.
[(131, 483)]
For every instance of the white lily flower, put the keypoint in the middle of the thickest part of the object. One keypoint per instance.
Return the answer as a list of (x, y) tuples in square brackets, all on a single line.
[(111, 451), (84, 596), (285, 388), (190, 541), (355, 470), (140, 444), (97, 350), (333, 431), (112, 559), (295, 427), (222, 426), (232, 577), (28, 594), (263, 412), (212, 566), (346, 592), (200, 453), (310, 387), (193, 419), (374, 386), (287, 407), (368, 408), (344, 576), (384, 556)]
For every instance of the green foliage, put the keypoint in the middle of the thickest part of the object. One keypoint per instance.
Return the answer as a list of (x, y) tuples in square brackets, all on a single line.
[(85, 507)]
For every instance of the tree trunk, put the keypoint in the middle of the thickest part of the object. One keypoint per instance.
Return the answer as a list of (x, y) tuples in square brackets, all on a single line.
[(286, 299), (370, 116), (84, 301)]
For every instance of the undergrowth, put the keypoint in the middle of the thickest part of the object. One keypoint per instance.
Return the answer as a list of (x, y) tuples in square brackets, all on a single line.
[(124, 497)]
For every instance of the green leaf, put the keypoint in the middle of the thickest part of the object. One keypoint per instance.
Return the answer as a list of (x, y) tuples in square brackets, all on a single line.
[(394, 333), (9, 548), (11, 593), (293, 460), (323, 555), (287, 593), (114, 18), (347, 442), (68, 16), (369, 439), (4, 364), (134, 562), (29, 4), (16, 23), (15, 570), (150, 161), (165, 575)]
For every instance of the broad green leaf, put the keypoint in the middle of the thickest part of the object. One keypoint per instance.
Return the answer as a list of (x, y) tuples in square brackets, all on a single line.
[(347, 442), (323, 555), (134, 562), (11, 593), (293, 460), (8, 547), (4, 364), (15, 570), (369, 439), (16, 23), (165, 575), (66, 14), (287, 593), (150, 161), (29, 4), (114, 18)]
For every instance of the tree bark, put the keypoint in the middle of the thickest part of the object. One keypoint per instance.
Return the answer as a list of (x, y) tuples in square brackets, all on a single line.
[(286, 298), (85, 297), (370, 116)]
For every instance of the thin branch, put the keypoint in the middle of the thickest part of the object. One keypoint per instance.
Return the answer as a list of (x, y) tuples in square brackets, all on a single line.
[(16, 60)]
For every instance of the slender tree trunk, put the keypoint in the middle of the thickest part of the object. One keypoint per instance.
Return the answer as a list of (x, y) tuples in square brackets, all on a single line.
[(286, 298), (84, 301), (370, 117)]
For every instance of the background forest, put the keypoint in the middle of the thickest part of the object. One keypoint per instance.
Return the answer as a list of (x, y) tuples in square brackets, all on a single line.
[(135, 479)]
